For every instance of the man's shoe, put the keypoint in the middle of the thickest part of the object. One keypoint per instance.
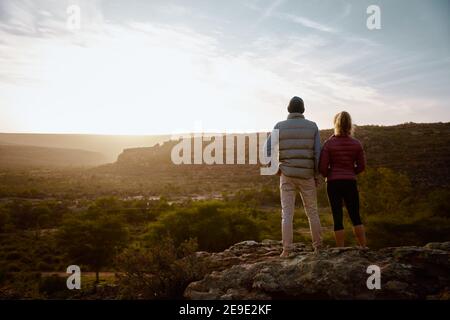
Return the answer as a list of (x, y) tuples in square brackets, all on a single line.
[(318, 249), (284, 254)]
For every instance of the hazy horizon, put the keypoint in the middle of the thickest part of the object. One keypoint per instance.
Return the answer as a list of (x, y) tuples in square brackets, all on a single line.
[(194, 131), (109, 145), (154, 67)]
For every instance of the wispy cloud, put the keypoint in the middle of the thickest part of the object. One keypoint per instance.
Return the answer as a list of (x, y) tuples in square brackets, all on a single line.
[(271, 8), (264, 12), (272, 11), (305, 22)]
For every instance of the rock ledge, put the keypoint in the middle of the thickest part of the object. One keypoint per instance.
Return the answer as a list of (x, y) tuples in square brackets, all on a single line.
[(253, 270)]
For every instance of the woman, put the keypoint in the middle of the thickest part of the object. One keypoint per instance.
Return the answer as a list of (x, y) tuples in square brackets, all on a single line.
[(342, 158)]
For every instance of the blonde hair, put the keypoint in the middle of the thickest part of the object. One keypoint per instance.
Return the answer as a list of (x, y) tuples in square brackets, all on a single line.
[(343, 124)]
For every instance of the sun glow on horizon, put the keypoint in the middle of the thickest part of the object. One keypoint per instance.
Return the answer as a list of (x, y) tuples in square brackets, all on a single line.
[(132, 77)]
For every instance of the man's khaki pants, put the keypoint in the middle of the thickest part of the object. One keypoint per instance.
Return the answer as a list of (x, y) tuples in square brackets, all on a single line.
[(307, 188)]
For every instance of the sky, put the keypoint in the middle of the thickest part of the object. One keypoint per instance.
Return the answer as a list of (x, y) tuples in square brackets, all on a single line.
[(162, 67)]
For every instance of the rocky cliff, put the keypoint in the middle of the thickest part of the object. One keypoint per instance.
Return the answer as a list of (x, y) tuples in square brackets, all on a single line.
[(252, 270)]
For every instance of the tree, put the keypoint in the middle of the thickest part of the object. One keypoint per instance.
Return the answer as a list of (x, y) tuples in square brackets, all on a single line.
[(92, 242), (110, 205), (3, 219), (40, 218), (161, 271), (212, 223), (384, 191), (21, 214), (439, 204)]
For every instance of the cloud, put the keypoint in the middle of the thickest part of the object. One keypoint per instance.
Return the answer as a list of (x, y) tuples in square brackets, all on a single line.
[(271, 8), (154, 77), (308, 23), (271, 12)]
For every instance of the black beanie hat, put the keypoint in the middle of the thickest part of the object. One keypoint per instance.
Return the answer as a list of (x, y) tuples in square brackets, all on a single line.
[(296, 105)]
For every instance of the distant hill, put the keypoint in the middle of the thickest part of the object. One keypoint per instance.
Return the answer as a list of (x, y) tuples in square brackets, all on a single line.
[(19, 156), (108, 145), (422, 151)]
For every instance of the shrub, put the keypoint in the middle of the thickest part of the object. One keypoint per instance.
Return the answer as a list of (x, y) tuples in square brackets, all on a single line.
[(439, 203), (212, 223), (384, 191), (92, 242), (3, 275), (387, 232), (261, 196), (160, 272), (43, 266), (14, 255), (52, 285), (4, 217), (14, 267)]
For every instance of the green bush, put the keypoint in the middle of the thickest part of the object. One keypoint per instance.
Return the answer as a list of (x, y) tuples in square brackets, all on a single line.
[(212, 223), (25, 214), (93, 242), (52, 286), (439, 203), (14, 255), (384, 191), (262, 196), (160, 272), (4, 218), (14, 267), (3, 275), (395, 231), (44, 266)]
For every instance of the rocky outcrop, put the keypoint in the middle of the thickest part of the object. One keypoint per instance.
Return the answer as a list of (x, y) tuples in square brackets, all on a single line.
[(252, 270)]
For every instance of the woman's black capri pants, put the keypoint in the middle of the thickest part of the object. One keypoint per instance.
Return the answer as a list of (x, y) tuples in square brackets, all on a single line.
[(344, 192)]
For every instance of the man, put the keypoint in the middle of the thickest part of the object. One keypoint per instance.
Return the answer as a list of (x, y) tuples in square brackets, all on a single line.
[(299, 152)]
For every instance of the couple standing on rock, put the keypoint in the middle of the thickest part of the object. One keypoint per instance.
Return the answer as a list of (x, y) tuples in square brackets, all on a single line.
[(302, 161)]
